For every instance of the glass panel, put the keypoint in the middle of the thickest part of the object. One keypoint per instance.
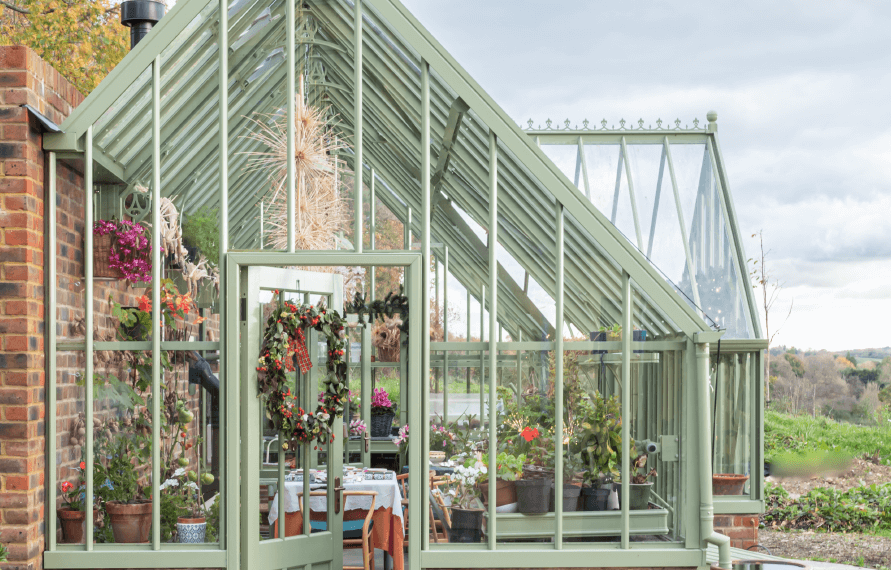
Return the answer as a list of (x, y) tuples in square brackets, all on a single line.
[(733, 403), (70, 478), (602, 160)]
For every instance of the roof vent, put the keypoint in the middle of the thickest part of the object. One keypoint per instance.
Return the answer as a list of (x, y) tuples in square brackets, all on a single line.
[(140, 16)]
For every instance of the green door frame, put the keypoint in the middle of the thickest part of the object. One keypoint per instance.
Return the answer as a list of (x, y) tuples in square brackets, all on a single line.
[(232, 358)]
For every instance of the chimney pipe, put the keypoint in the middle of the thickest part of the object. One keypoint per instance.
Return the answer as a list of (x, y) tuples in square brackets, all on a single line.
[(140, 16)]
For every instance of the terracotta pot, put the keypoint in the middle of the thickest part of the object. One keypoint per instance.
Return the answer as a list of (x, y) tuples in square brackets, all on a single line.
[(728, 483), (505, 492), (191, 530), (73, 527), (130, 522)]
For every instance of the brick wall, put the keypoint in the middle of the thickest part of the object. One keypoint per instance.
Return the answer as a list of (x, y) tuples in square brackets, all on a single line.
[(25, 78), (742, 529)]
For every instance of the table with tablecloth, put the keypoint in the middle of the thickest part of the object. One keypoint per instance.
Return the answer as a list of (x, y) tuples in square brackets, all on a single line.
[(387, 533)]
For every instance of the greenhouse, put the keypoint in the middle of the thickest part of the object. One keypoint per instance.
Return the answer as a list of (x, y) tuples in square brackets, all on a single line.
[(296, 252)]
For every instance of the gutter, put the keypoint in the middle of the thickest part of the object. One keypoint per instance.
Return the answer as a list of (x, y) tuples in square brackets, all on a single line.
[(706, 507)]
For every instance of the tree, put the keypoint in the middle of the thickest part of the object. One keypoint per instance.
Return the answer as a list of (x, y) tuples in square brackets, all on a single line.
[(82, 39), (770, 289)]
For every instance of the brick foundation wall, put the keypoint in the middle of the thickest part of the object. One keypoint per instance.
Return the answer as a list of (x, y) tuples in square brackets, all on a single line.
[(742, 529)]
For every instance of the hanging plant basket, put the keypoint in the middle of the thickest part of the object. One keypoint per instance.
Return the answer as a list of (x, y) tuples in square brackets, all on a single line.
[(102, 246)]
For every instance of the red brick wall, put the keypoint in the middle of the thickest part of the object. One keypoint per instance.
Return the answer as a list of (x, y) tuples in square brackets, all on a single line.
[(24, 78), (742, 529)]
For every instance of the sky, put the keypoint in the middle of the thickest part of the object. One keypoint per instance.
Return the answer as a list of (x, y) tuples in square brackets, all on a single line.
[(802, 95)]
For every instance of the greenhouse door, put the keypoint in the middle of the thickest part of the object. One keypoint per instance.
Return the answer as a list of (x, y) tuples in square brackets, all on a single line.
[(277, 530)]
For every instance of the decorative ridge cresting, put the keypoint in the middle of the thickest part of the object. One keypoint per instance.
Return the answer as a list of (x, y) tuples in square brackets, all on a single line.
[(624, 126)]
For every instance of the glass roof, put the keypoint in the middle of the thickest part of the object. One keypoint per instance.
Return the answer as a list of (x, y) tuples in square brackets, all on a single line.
[(186, 41)]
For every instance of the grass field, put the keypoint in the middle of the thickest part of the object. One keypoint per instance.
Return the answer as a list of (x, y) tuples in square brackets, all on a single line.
[(785, 433)]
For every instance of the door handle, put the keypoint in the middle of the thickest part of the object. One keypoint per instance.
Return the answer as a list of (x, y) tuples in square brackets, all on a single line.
[(338, 491), (367, 441)]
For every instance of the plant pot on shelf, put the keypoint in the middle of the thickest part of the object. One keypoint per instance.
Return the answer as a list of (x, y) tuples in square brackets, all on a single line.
[(639, 499), (595, 498), (381, 425), (505, 492), (533, 495), (102, 246), (73, 527), (467, 525), (728, 483), (571, 493), (191, 530), (130, 522)]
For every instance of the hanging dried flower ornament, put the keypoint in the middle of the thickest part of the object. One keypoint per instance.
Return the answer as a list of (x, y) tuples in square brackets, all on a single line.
[(285, 339), (320, 185)]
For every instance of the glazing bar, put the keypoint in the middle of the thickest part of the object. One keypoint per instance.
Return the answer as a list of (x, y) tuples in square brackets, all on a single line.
[(631, 195), (229, 488), (445, 335), (425, 275), (50, 415), (157, 376), (88, 324), (291, 135), (482, 354), (358, 166), (493, 313), (372, 228), (558, 386), (627, 335)]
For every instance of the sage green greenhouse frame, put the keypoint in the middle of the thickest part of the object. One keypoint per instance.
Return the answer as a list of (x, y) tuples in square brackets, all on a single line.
[(488, 171)]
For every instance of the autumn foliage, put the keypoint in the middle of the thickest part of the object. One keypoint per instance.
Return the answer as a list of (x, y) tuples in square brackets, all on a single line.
[(82, 39)]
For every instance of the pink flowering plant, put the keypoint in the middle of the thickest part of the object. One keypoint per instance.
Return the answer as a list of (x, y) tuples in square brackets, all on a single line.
[(357, 427), (442, 439), (381, 405), (401, 439), (131, 249)]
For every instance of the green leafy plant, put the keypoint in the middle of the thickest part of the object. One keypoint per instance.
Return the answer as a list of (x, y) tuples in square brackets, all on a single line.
[(4, 553), (613, 332), (508, 467), (201, 230), (866, 508)]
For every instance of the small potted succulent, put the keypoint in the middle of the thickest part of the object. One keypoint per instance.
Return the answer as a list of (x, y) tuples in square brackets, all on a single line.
[(383, 410), (467, 517), (73, 514)]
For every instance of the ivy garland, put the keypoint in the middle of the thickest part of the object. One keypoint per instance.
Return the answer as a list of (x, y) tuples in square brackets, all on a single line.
[(284, 339), (392, 304)]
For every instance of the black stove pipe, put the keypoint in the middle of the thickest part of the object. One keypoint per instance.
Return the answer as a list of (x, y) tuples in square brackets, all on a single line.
[(140, 16)]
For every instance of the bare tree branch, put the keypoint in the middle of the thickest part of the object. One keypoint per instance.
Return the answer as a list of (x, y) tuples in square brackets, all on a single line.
[(15, 8)]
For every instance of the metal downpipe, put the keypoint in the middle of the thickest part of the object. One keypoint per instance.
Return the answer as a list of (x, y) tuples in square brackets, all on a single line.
[(706, 507)]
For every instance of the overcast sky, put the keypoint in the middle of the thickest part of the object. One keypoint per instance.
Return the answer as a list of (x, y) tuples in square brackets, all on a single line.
[(803, 95)]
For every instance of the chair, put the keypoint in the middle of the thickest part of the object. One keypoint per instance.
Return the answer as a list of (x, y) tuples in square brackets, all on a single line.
[(440, 520), (352, 538), (402, 481)]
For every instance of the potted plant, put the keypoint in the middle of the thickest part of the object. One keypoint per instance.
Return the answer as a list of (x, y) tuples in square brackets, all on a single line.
[(187, 500), (126, 502), (122, 250), (509, 468), (73, 515), (383, 410), (572, 487), (442, 440), (467, 517), (597, 439), (639, 487), (201, 233), (533, 489)]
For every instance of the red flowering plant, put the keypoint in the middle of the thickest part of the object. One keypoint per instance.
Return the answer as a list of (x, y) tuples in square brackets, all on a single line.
[(284, 342), (175, 307), (131, 248), (74, 494)]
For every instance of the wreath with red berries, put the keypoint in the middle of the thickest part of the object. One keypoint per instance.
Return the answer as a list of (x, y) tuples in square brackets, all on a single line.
[(284, 342)]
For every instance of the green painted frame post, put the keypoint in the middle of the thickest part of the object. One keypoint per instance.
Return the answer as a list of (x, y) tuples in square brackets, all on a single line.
[(88, 322), (626, 405), (50, 354), (423, 384), (157, 375), (290, 132), (445, 335), (493, 342), (558, 384), (358, 166)]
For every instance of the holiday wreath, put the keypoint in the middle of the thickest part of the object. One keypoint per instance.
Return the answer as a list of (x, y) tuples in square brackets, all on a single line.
[(285, 339)]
